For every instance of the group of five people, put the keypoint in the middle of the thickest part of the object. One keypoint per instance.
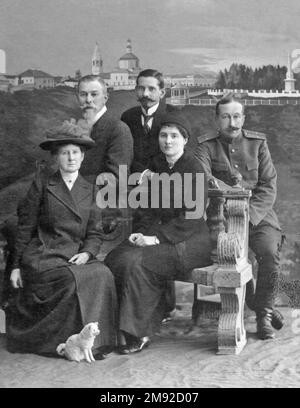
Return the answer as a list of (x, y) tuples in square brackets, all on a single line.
[(61, 284)]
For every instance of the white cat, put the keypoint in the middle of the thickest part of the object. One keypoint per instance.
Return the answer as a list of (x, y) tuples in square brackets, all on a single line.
[(79, 346)]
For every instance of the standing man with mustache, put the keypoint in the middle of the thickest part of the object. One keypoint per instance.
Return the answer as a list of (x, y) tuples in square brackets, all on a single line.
[(233, 154), (144, 122), (114, 144)]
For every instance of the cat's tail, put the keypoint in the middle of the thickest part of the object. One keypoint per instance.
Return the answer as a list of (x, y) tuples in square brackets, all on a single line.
[(60, 349)]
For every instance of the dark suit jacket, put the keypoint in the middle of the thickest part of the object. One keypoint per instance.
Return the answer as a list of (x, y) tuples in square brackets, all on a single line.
[(114, 146), (145, 146), (55, 224)]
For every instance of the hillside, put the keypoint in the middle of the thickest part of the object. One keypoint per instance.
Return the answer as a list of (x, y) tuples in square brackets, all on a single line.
[(25, 115)]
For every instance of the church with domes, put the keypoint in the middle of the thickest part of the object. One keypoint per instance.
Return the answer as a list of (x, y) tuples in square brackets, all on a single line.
[(129, 61), (124, 75)]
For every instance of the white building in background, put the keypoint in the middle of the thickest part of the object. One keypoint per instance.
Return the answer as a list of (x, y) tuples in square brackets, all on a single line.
[(13, 79), (189, 80), (2, 62), (34, 78), (129, 61), (128, 67), (4, 84), (261, 93), (124, 75), (70, 82)]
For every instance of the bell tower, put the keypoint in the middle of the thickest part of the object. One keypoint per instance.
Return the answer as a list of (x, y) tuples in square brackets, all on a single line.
[(128, 46), (97, 62)]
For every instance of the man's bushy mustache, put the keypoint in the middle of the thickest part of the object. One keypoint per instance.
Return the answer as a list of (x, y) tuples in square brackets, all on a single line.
[(144, 99), (84, 107)]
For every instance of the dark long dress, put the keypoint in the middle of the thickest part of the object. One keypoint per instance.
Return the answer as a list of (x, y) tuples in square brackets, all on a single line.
[(58, 299), (142, 273)]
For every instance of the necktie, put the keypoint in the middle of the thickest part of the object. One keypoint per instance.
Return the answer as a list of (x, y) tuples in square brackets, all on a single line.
[(146, 123)]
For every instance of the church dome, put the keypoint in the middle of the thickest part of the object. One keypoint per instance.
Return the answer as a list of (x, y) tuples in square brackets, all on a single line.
[(129, 61), (129, 56)]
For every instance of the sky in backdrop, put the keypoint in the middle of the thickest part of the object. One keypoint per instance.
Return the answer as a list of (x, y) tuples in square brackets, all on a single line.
[(174, 36)]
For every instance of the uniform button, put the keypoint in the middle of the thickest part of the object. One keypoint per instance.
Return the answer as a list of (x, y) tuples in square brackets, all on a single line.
[(236, 166), (232, 150)]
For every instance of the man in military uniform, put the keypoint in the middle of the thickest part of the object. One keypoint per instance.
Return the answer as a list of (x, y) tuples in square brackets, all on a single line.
[(233, 154)]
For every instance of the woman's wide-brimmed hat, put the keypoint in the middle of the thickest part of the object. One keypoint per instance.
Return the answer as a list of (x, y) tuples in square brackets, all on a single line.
[(178, 119), (69, 132)]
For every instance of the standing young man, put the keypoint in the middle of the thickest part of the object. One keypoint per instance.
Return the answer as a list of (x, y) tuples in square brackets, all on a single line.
[(144, 120)]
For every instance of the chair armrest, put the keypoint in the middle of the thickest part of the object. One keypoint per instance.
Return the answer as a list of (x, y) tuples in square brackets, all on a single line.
[(228, 221)]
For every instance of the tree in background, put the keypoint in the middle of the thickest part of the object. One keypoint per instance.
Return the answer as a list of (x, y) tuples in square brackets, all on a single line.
[(267, 77)]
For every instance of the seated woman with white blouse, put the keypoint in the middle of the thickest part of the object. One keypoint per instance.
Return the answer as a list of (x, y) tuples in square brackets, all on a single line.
[(60, 284)]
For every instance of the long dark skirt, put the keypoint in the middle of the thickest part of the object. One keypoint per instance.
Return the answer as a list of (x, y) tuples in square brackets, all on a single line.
[(58, 304), (142, 275)]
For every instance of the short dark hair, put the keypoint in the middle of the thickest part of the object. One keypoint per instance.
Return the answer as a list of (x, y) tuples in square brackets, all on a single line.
[(90, 78), (184, 133), (178, 120), (228, 98), (152, 73)]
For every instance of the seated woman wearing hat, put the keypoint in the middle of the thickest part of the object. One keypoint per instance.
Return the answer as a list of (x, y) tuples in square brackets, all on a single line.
[(164, 246), (61, 286)]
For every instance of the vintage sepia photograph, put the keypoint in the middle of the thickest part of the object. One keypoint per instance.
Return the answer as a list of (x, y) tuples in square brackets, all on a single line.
[(149, 196)]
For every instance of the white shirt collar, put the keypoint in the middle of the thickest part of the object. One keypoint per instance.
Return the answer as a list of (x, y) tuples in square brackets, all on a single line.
[(69, 178), (99, 114), (151, 110)]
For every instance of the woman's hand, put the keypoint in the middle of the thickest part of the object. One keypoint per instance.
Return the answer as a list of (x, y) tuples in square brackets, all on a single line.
[(16, 279), (141, 240), (79, 259)]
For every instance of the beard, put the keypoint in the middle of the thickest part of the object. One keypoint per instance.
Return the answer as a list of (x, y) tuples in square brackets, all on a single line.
[(89, 115)]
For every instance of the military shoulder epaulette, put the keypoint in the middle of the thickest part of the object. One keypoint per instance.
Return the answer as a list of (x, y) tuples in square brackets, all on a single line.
[(254, 135), (207, 136)]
